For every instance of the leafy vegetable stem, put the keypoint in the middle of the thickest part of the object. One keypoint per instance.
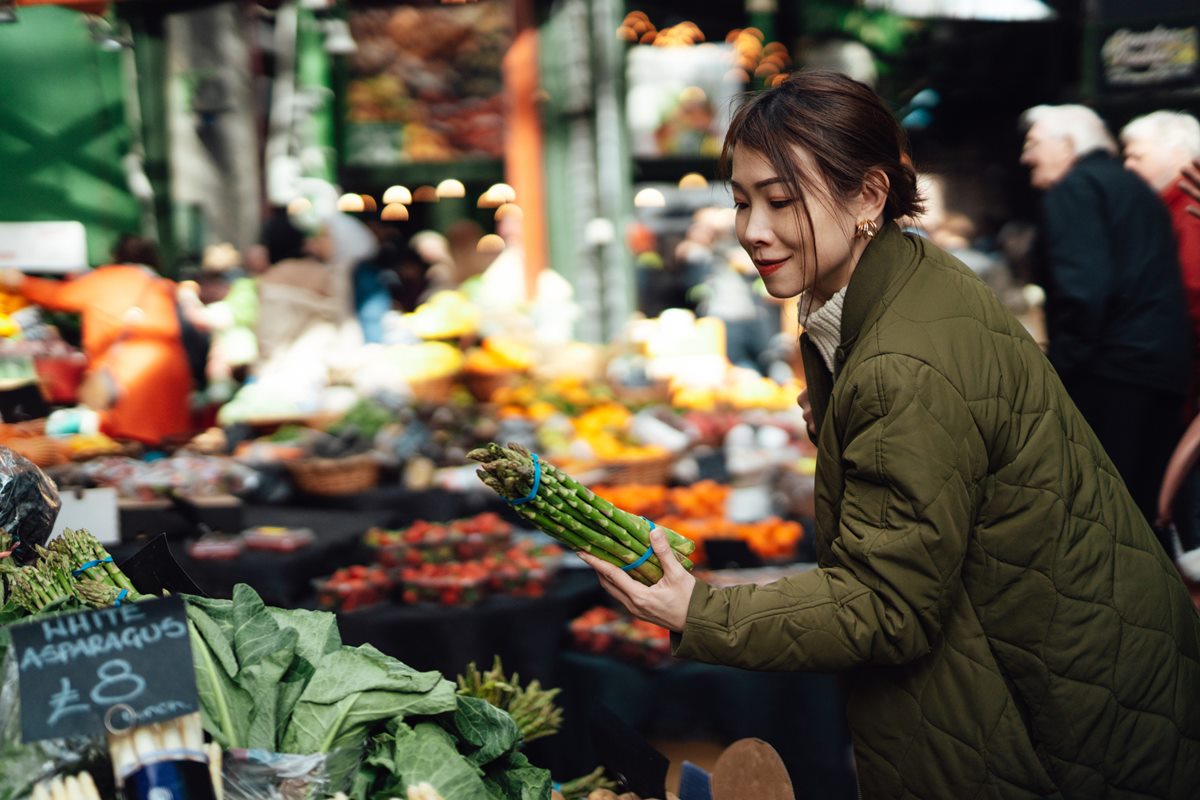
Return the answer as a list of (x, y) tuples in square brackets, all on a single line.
[(222, 702)]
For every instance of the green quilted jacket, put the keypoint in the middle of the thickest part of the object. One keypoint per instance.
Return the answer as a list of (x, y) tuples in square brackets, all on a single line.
[(1005, 622)]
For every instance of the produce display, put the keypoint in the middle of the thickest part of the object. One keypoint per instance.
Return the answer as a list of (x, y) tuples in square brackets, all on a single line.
[(455, 563), (698, 512), (425, 83), (145, 745), (455, 584), (365, 418), (73, 787), (523, 570), (192, 475), (437, 543), (602, 630), (75, 571), (281, 680), (561, 507), (351, 588), (531, 706)]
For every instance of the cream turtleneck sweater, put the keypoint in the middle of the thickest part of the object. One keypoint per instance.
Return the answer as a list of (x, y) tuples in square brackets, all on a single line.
[(824, 326)]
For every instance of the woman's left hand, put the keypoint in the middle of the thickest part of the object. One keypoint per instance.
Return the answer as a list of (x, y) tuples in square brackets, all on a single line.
[(666, 602)]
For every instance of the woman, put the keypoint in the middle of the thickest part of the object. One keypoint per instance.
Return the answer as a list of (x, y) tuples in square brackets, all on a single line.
[(1006, 623)]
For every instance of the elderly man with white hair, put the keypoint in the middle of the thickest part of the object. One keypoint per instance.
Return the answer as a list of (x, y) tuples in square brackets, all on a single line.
[(1159, 147), (1116, 317)]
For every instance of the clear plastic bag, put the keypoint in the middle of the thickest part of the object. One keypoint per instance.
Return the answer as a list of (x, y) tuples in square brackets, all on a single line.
[(23, 765), (29, 503), (262, 775)]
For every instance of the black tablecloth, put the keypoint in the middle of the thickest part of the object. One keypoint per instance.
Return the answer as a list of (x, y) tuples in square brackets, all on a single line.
[(527, 633), (283, 579), (800, 714)]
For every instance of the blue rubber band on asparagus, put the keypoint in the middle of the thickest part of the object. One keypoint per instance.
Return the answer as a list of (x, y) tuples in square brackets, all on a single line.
[(646, 555), (85, 566), (121, 595), (537, 481)]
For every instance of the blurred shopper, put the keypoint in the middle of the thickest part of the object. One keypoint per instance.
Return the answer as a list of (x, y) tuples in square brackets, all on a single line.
[(1116, 316), (1190, 184), (1004, 621), (373, 278), (138, 376), (1158, 147), (730, 294), (695, 255), (309, 294), (658, 287), (224, 303), (547, 310)]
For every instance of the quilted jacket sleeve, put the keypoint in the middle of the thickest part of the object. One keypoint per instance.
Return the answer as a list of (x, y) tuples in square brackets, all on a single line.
[(912, 458)]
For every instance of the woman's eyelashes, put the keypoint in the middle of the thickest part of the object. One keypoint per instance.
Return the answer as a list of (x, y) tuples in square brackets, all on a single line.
[(776, 204)]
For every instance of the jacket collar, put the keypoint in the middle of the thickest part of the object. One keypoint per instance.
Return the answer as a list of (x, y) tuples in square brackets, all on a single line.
[(883, 268), (888, 259)]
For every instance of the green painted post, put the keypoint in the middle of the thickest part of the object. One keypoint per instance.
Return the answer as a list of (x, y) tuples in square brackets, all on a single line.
[(314, 74), (150, 58)]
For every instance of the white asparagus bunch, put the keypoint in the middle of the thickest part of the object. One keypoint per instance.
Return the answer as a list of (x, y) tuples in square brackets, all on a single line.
[(72, 787), (215, 757), (176, 739), (423, 791)]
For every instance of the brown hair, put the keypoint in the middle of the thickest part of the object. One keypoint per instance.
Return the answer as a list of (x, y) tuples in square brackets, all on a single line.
[(131, 249), (841, 123)]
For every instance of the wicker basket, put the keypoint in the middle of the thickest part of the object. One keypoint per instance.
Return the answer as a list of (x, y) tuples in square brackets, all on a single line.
[(651, 471), (435, 391), (335, 476), (482, 385), (657, 393), (43, 451), (22, 430)]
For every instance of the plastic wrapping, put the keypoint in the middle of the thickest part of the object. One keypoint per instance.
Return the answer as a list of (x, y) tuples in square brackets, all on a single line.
[(29, 503), (262, 775), (22, 766)]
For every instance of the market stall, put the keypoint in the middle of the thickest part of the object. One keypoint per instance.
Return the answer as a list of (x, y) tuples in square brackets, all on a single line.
[(526, 631)]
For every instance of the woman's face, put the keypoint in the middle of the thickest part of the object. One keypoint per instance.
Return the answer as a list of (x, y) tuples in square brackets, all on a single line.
[(771, 226)]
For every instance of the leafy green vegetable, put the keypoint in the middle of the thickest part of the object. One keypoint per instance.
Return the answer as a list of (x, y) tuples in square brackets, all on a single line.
[(354, 688), (287, 433), (281, 680), (426, 753), (366, 418), (265, 652), (514, 778), (486, 727)]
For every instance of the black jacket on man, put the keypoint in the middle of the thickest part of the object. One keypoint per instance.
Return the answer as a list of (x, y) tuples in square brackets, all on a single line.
[(1115, 307), (1117, 318)]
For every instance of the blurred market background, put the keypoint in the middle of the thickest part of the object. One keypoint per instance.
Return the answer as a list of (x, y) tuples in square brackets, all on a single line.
[(396, 231)]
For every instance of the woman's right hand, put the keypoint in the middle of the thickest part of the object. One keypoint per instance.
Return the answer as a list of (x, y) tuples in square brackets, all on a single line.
[(666, 602)]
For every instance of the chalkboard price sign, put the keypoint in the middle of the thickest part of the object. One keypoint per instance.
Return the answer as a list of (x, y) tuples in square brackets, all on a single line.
[(131, 663)]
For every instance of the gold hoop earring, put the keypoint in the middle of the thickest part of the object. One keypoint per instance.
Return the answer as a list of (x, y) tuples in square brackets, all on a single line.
[(866, 229)]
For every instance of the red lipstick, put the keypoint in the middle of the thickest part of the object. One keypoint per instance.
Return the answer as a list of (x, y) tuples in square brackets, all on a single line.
[(766, 268)]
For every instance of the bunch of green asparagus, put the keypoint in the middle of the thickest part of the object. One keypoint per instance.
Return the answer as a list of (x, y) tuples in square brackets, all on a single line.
[(573, 514), (74, 566), (531, 707)]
